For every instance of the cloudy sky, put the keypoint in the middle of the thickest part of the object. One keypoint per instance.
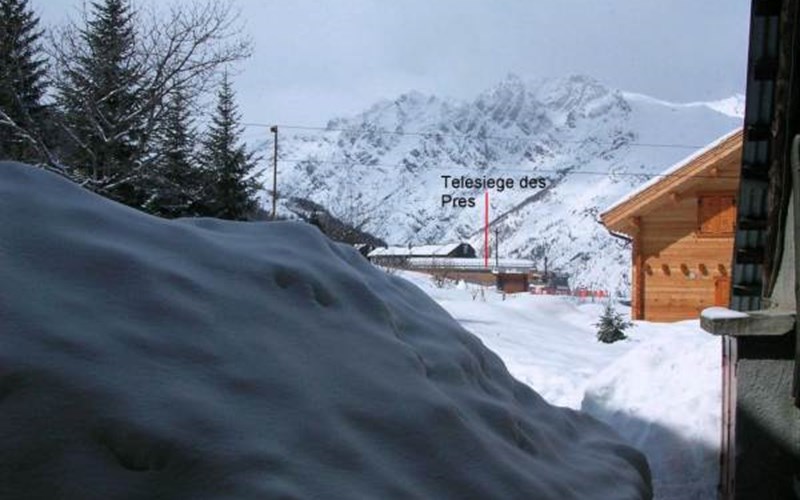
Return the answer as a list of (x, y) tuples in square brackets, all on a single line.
[(314, 59)]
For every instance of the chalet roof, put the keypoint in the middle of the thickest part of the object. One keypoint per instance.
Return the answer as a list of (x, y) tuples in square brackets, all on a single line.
[(687, 172), (415, 251)]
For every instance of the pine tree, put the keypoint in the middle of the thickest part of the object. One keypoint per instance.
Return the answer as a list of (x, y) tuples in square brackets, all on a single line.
[(22, 82), (101, 103), (175, 183), (229, 167), (611, 326)]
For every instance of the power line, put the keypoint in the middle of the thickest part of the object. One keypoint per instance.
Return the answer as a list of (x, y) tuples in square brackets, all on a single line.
[(527, 171), (466, 135)]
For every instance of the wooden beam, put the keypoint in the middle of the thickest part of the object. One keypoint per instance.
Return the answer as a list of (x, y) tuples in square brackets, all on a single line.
[(637, 309)]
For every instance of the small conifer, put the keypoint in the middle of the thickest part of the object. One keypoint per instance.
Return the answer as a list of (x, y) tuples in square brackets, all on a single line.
[(612, 325)]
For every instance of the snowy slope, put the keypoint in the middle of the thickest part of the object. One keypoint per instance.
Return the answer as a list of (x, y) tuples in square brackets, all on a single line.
[(146, 358), (664, 397), (381, 170), (660, 389)]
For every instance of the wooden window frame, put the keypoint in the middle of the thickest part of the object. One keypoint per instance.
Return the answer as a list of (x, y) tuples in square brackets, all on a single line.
[(716, 194)]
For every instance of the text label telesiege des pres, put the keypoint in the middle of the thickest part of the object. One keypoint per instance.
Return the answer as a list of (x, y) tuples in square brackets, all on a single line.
[(499, 184)]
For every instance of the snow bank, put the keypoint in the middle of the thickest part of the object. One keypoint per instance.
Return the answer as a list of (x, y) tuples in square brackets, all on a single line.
[(663, 396), (144, 358), (660, 388), (546, 342)]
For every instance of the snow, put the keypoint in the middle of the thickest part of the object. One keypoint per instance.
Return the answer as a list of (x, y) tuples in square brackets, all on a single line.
[(472, 263), (381, 169), (145, 358), (659, 389), (732, 106), (664, 397), (721, 313), (422, 250)]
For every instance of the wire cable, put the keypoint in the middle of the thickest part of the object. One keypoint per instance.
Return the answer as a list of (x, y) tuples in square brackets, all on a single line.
[(473, 136), (527, 171)]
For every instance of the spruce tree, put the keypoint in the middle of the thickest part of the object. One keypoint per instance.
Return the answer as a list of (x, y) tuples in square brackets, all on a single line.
[(22, 82), (175, 183), (101, 104), (611, 326), (229, 166)]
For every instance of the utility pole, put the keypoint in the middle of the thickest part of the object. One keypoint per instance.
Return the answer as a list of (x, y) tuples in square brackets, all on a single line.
[(274, 130)]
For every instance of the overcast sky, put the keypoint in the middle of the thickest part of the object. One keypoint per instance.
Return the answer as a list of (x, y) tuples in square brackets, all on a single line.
[(314, 60)]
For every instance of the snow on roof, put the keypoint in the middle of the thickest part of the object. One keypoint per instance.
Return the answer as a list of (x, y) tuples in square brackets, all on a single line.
[(471, 263), (263, 354), (673, 169), (421, 250)]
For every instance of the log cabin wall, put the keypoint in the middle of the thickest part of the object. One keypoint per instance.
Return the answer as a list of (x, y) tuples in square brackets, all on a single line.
[(682, 268), (685, 265)]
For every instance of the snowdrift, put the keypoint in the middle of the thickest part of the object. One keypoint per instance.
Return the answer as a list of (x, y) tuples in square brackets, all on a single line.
[(664, 396), (660, 389), (145, 358)]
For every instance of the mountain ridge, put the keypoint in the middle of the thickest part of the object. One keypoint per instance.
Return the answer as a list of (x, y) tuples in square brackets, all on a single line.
[(381, 170)]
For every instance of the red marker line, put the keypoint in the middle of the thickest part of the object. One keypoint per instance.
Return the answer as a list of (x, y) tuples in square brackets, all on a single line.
[(486, 229)]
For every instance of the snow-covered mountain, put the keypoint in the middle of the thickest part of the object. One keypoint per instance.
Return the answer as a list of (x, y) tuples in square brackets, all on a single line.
[(382, 169)]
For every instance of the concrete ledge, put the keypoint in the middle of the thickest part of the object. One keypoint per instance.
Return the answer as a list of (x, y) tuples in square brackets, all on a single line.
[(721, 321)]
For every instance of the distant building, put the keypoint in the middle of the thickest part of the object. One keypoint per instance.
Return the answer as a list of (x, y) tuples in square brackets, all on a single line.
[(458, 261), (549, 283), (511, 282), (399, 256), (681, 226)]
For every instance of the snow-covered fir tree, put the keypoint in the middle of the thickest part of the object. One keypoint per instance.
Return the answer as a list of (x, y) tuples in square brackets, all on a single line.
[(175, 182), (22, 82), (231, 188), (612, 325), (98, 94)]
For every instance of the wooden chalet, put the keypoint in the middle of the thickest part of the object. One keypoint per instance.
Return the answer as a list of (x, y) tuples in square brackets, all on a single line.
[(681, 225)]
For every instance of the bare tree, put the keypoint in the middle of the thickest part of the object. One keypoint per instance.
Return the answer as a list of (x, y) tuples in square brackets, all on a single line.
[(441, 271), (179, 46), (185, 51)]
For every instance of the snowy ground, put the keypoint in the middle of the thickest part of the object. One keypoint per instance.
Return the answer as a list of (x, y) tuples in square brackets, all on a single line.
[(660, 389), (204, 359)]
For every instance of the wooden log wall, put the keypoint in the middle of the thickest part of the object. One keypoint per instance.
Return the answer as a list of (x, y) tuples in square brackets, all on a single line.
[(682, 269)]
